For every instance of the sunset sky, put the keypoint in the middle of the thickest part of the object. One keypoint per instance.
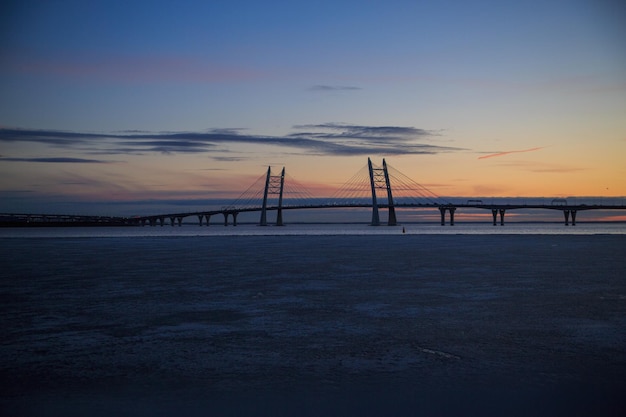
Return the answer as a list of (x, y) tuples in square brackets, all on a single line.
[(134, 102)]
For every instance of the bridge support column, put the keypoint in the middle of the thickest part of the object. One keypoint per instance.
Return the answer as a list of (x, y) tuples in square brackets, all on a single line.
[(392, 210), (180, 221), (274, 185), (225, 218), (162, 221), (279, 217), (442, 210), (172, 221), (494, 213), (375, 215), (263, 220), (567, 213), (379, 178), (235, 213), (279, 214), (208, 219), (200, 216)]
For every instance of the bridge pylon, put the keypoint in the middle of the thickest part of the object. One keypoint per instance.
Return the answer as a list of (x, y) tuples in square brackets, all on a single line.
[(379, 179), (274, 185)]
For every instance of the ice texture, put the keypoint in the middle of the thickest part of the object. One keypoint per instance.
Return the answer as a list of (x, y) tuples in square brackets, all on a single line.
[(314, 325)]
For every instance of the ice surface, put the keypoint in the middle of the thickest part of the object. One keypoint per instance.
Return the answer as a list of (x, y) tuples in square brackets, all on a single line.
[(314, 325)]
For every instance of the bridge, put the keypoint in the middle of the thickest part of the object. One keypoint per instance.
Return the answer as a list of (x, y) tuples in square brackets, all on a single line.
[(379, 188)]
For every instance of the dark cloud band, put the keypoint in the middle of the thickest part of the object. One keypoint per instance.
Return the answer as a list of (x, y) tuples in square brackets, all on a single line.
[(57, 160), (322, 139)]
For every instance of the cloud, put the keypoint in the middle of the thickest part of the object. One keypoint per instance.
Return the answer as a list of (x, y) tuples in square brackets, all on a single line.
[(322, 139), (227, 158), (361, 139), (493, 155), (323, 88), (347, 131), (51, 137), (57, 160)]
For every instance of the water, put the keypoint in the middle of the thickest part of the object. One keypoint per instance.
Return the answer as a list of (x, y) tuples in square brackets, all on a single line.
[(471, 319), (591, 228)]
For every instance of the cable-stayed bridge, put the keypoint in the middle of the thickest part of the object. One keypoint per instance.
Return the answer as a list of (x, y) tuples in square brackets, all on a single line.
[(379, 188), (370, 187), (277, 192)]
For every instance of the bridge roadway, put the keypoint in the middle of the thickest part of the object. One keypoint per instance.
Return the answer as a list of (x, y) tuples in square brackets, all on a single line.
[(497, 210), (569, 211), (20, 219)]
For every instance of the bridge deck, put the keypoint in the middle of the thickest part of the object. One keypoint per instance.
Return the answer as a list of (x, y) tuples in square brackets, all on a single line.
[(64, 219)]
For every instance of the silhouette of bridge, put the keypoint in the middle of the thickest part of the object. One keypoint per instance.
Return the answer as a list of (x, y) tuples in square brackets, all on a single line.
[(375, 187)]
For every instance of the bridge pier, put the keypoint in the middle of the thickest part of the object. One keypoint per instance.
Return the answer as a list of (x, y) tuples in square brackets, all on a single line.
[(375, 216), (495, 212), (566, 213), (392, 217), (208, 219), (442, 210), (279, 217), (234, 213), (162, 221)]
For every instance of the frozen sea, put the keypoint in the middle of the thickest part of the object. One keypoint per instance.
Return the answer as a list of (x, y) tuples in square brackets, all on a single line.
[(314, 320)]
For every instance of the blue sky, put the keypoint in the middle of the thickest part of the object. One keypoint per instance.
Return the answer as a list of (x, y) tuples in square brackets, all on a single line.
[(111, 101)]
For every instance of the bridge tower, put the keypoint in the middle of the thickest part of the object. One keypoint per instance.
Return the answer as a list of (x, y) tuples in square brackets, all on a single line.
[(274, 185), (379, 179)]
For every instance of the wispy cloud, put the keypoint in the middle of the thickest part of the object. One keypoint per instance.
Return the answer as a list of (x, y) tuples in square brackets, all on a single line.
[(322, 139), (322, 88), (494, 155), (341, 130), (362, 140), (57, 160)]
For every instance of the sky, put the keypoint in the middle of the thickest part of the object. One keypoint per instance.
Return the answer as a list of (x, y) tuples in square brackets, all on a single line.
[(120, 107)]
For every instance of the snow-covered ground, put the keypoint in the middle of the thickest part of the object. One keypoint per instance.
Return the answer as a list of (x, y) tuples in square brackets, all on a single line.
[(314, 325)]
